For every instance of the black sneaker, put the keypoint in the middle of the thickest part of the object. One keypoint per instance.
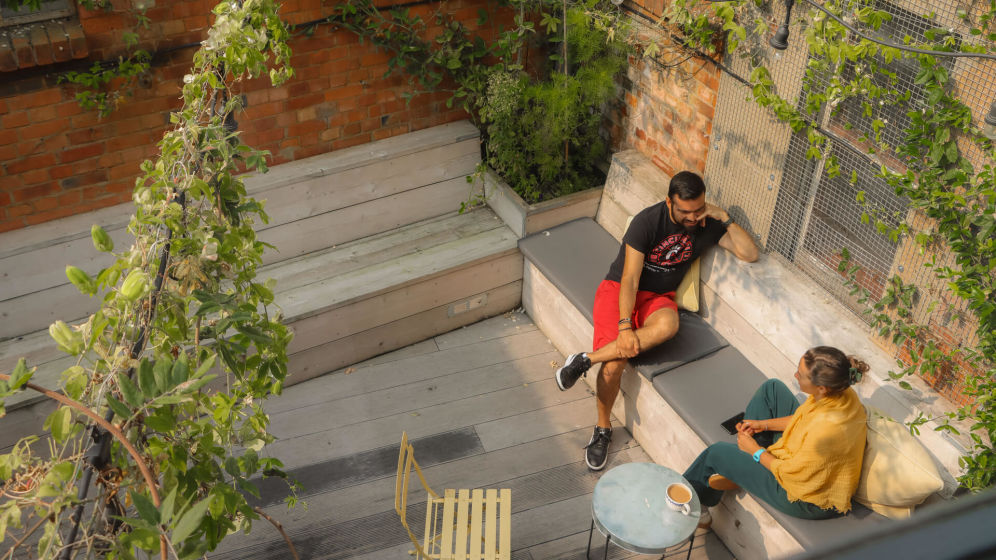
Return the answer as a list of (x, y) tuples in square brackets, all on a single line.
[(597, 451), (575, 366)]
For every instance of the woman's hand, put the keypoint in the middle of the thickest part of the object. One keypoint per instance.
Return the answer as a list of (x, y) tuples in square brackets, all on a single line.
[(746, 442), (753, 427)]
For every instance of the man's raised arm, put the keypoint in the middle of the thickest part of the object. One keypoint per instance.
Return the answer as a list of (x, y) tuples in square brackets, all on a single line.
[(736, 240)]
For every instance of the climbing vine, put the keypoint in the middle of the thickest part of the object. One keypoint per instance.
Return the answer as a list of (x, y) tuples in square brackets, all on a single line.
[(162, 409), (107, 84), (943, 167)]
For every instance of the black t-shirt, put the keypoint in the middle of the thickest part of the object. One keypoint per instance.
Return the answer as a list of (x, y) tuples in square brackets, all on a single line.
[(668, 248)]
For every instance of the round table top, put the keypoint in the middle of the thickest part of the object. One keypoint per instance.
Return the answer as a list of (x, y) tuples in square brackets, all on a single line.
[(629, 504)]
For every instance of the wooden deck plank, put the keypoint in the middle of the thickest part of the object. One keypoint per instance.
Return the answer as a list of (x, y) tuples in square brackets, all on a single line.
[(409, 397), (300, 200), (492, 469), (310, 196), (514, 322), (78, 226), (378, 376), (358, 221), (538, 424), (363, 155), (361, 534), (351, 438)]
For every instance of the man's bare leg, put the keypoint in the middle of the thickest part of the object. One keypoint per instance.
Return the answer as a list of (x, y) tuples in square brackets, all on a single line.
[(607, 389), (659, 327)]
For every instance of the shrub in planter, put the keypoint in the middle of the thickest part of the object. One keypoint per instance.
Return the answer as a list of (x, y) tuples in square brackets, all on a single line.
[(543, 135)]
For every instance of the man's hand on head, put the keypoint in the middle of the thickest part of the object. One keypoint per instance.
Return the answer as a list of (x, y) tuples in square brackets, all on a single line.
[(712, 211)]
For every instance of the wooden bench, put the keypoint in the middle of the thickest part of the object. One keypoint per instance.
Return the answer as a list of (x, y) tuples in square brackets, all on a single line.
[(684, 389), (371, 256)]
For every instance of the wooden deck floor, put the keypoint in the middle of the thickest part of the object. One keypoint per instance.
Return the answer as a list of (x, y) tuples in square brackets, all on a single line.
[(482, 409)]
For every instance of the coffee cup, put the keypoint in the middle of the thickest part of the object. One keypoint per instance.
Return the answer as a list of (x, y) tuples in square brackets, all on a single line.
[(679, 497)]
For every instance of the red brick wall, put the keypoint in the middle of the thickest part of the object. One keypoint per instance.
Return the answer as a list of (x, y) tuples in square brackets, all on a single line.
[(57, 159), (666, 112)]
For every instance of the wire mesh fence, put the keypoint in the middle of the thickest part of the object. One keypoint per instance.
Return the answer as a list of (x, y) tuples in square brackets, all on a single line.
[(796, 205)]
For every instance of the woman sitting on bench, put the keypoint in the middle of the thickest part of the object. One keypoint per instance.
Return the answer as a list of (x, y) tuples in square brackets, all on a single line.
[(805, 460)]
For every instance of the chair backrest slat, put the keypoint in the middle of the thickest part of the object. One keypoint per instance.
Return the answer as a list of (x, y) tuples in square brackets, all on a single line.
[(462, 524), (505, 539), (490, 523), (476, 520)]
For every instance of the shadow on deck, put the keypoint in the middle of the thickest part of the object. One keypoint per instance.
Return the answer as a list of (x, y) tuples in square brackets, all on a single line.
[(482, 409)]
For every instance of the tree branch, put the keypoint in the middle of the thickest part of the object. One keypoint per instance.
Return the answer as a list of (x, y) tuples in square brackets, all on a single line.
[(150, 481), (279, 528)]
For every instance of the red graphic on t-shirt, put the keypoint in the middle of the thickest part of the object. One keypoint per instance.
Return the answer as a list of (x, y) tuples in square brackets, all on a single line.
[(674, 249)]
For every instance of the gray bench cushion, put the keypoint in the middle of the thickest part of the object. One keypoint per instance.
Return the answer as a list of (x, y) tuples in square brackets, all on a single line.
[(708, 391), (575, 256), (694, 340)]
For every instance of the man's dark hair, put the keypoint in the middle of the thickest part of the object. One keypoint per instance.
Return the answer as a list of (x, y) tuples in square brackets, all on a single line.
[(686, 186)]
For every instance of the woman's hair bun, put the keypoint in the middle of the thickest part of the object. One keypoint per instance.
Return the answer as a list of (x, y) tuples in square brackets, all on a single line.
[(857, 370)]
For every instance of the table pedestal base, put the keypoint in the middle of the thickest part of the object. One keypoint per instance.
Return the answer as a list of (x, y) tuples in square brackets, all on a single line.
[(605, 551)]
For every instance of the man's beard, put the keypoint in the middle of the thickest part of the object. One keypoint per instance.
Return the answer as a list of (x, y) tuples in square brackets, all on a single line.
[(688, 229)]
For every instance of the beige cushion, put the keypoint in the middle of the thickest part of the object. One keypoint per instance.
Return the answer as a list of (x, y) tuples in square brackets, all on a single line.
[(897, 473), (687, 294)]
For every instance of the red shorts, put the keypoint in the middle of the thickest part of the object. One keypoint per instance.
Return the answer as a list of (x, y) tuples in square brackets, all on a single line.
[(606, 310)]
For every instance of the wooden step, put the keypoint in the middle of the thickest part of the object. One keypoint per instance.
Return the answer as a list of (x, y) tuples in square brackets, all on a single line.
[(363, 298), (314, 203)]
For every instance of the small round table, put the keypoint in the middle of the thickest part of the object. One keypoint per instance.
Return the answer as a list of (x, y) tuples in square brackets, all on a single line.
[(629, 507)]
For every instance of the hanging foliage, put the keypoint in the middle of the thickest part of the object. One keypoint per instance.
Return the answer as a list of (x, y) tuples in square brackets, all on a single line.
[(160, 421)]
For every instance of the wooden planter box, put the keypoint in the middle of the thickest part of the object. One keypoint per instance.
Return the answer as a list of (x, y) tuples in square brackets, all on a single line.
[(525, 218)]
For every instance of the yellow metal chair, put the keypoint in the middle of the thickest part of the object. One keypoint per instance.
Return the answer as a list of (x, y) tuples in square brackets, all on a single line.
[(460, 525)]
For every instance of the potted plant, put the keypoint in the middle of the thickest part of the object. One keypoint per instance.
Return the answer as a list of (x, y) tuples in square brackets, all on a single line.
[(537, 97)]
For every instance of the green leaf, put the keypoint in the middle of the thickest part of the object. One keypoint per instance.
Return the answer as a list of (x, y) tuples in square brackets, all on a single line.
[(205, 366), (144, 538), (118, 407), (146, 509), (160, 422), (952, 151), (74, 380), (59, 423), (132, 395), (190, 521), (195, 384), (161, 371), (179, 373), (20, 375), (167, 505), (147, 379), (254, 334)]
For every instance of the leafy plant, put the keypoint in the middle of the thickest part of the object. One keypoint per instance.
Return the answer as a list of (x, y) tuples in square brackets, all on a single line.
[(105, 86), (534, 126), (171, 372), (532, 119)]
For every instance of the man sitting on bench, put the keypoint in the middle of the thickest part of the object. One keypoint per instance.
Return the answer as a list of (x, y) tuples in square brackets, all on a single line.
[(634, 306)]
